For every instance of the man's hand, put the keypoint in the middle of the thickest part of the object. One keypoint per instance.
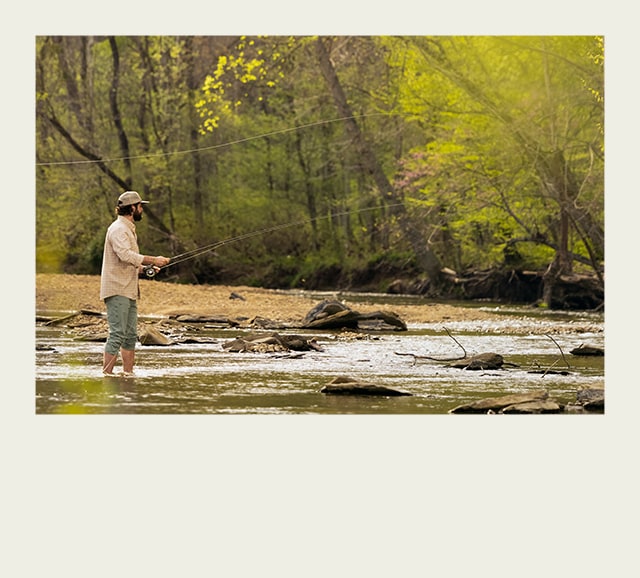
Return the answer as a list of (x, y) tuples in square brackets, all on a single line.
[(161, 261)]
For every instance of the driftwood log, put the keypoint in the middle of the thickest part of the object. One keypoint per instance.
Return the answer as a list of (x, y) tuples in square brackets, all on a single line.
[(480, 361), (272, 342), (331, 314)]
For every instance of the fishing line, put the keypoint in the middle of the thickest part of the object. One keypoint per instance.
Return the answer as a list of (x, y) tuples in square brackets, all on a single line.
[(150, 271), (212, 147)]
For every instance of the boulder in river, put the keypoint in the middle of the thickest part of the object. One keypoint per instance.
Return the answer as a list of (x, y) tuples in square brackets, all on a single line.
[(331, 314)]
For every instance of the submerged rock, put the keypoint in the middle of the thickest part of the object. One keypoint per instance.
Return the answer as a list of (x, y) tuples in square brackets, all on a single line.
[(350, 386), (498, 404), (587, 350), (543, 406)]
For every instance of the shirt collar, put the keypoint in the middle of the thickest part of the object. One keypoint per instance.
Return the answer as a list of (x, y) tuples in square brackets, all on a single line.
[(127, 222)]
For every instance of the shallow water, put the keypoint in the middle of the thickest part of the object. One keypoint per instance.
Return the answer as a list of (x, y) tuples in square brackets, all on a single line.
[(204, 378)]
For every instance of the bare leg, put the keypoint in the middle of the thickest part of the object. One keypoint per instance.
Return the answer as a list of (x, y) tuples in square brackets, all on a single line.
[(128, 360), (108, 363)]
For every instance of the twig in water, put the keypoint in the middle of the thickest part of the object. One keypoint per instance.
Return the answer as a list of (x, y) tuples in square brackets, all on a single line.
[(416, 357), (548, 369), (561, 352), (452, 337)]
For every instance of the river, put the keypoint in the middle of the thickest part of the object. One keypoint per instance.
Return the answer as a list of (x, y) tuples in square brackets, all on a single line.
[(204, 378)]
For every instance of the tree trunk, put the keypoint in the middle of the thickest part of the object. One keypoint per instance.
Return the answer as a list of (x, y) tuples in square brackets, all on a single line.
[(426, 258), (198, 192), (115, 110), (558, 178)]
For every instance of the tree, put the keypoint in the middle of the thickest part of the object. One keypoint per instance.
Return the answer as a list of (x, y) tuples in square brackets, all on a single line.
[(426, 258), (513, 111), (467, 152)]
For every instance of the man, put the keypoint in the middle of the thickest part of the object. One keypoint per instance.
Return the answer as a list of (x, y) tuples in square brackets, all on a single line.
[(121, 263)]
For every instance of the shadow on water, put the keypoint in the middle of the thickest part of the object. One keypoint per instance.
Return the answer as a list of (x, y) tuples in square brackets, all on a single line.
[(204, 378)]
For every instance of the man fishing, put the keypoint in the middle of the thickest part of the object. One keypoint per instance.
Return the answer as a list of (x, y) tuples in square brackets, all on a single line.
[(121, 264)]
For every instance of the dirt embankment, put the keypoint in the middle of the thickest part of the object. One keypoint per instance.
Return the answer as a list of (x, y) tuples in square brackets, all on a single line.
[(75, 292)]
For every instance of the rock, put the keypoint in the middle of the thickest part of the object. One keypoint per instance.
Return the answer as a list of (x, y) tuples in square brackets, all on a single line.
[(587, 350), (480, 361), (338, 320), (382, 317), (151, 336), (596, 405), (191, 339), (587, 394), (264, 323), (590, 399), (42, 347), (264, 345), (496, 404), (324, 309), (350, 386), (274, 342), (335, 315), (97, 336), (545, 406)]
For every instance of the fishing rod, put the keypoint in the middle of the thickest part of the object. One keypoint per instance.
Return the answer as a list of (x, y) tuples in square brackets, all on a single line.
[(150, 271)]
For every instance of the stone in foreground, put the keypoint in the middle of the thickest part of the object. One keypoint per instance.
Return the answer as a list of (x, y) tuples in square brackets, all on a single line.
[(350, 386), (498, 404)]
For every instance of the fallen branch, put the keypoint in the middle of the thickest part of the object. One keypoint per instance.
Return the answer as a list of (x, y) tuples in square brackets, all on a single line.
[(560, 349), (416, 357), (548, 370), (58, 320)]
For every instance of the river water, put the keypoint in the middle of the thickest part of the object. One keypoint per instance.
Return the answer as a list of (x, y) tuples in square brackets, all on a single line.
[(204, 378)]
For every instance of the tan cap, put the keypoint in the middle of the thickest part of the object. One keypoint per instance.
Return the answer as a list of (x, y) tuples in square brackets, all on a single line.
[(129, 198)]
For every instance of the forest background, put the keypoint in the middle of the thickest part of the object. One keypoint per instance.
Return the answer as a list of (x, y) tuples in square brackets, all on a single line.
[(409, 163)]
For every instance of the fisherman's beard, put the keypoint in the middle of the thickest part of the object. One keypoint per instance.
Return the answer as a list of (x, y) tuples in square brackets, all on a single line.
[(137, 216)]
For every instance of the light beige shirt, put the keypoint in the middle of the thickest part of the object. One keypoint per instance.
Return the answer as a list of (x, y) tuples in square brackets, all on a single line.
[(121, 260)]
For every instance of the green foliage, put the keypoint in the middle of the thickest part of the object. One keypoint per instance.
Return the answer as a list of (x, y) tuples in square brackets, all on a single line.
[(497, 108), (493, 144)]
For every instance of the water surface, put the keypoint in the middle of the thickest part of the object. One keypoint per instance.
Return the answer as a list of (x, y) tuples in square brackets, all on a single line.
[(203, 378)]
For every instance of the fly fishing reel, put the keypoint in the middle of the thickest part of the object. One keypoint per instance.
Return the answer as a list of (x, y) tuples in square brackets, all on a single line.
[(149, 271)]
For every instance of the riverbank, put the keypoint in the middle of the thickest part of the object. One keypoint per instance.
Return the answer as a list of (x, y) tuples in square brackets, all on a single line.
[(58, 292)]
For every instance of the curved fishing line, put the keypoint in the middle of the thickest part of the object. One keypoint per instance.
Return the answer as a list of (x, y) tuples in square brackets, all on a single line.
[(182, 257), (212, 147)]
